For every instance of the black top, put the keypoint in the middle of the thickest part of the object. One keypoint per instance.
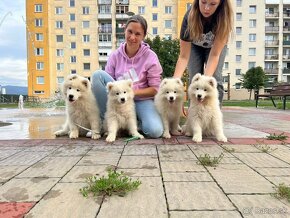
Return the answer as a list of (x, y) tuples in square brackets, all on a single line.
[(207, 37)]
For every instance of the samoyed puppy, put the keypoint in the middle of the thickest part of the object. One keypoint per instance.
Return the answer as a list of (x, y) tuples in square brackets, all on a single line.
[(82, 112), (168, 102), (120, 114), (204, 113)]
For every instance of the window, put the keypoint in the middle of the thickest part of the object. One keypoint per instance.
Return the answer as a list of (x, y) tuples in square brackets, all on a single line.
[(59, 52), (104, 9), (73, 71), (225, 79), (38, 22), (73, 59), (253, 23), (154, 17), (39, 51), (238, 85), (38, 36), (86, 38), (238, 30), (155, 31), (168, 24), (252, 37), (226, 65), (39, 65), (168, 9), (154, 3), (60, 66), (59, 38), (40, 79), (168, 36), (58, 24), (252, 9), (87, 66), (72, 17), (86, 24), (73, 45), (238, 58), (37, 92), (252, 51), (141, 9), (105, 38), (72, 31), (87, 52), (38, 8), (238, 16), (86, 10), (72, 3), (58, 10), (60, 79), (239, 3), (251, 65), (238, 72), (238, 44)]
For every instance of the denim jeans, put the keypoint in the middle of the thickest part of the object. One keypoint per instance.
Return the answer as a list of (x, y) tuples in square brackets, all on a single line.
[(198, 58), (148, 118)]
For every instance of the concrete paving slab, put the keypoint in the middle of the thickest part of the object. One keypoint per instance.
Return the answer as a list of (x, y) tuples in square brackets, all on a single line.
[(208, 214), (187, 177), (7, 153), (65, 200), (141, 172), (8, 172), (236, 131), (23, 158), (274, 171), (277, 180), (181, 167), (199, 196), (71, 150), (144, 162), (101, 157), (140, 150), (149, 197)]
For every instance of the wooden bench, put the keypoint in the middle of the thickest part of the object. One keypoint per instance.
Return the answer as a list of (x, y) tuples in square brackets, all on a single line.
[(278, 90)]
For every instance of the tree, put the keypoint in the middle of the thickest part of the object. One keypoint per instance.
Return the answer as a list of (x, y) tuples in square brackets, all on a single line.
[(167, 51), (254, 79)]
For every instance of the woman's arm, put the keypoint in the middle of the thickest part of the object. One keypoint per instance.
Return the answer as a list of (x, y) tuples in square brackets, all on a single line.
[(146, 92), (185, 49), (214, 56)]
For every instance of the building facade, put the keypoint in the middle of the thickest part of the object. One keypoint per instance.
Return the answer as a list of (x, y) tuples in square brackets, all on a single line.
[(77, 36)]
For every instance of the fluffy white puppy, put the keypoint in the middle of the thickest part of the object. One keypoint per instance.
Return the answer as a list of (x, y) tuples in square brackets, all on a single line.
[(82, 112), (120, 112), (168, 102), (204, 114)]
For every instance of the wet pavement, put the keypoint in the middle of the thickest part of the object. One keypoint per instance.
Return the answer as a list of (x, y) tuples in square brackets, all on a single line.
[(40, 175)]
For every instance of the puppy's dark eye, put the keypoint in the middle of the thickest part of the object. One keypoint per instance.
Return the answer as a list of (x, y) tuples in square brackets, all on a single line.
[(174, 91), (125, 92), (196, 88), (69, 87), (117, 93), (78, 90), (167, 92), (205, 90)]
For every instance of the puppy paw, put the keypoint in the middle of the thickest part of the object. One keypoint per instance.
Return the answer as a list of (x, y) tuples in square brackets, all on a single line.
[(176, 132), (197, 138), (187, 134), (60, 133), (166, 135), (110, 138), (222, 138), (96, 136), (139, 136), (73, 135)]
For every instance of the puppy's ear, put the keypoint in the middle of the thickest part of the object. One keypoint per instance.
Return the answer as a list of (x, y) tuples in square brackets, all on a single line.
[(85, 82), (72, 77), (130, 83), (110, 86), (178, 80), (212, 82), (164, 81), (196, 77)]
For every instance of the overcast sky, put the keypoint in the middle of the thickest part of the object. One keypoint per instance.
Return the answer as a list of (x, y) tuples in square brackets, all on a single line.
[(13, 68)]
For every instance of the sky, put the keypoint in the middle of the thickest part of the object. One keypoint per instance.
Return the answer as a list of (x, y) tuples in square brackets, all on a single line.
[(13, 64)]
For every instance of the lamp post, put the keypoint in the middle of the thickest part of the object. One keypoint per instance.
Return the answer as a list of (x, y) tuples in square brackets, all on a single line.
[(229, 86)]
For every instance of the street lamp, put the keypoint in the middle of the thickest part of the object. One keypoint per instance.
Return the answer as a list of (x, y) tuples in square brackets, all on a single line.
[(229, 86)]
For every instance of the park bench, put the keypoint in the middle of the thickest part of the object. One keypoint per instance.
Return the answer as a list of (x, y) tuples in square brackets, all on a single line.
[(279, 90)]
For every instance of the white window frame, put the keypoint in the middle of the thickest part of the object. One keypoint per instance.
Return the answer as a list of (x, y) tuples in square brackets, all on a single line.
[(39, 51), (40, 80), (59, 66), (60, 79), (73, 59), (38, 8), (86, 10), (58, 10), (168, 9), (38, 36), (39, 65), (86, 38), (59, 52), (59, 24), (252, 37), (86, 52), (168, 24), (38, 22), (141, 9), (86, 24), (252, 51)]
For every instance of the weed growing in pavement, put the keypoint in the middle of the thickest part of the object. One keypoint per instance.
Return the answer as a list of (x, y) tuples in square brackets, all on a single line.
[(275, 136), (265, 148), (229, 150), (116, 183), (283, 191), (207, 160)]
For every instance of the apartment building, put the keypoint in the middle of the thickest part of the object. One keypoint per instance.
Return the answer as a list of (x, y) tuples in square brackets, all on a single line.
[(77, 36)]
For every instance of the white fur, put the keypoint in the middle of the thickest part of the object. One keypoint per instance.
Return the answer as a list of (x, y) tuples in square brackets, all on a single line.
[(120, 112), (81, 108), (204, 114), (168, 101)]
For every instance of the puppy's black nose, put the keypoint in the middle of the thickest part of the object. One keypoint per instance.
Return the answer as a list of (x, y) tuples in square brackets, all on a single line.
[(70, 96), (171, 98), (122, 100), (198, 96)]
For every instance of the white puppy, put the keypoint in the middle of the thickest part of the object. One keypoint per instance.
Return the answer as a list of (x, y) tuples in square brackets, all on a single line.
[(82, 112), (168, 101), (120, 112), (204, 115)]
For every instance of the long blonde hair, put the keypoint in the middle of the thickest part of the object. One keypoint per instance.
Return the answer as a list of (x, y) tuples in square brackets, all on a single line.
[(223, 17)]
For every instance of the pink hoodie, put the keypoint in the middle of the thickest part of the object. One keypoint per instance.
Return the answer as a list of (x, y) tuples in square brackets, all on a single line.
[(145, 63)]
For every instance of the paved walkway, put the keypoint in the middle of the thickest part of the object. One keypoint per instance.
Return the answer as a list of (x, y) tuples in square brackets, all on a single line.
[(42, 177)]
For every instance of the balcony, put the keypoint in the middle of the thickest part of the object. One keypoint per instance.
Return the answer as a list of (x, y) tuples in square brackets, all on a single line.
[(272, 14), (286, 71), (286, 28), (105, 29), (286, 57), (272, 57), (272, 29), (273, 71), (271, 42), (286, 42), (104, 16)]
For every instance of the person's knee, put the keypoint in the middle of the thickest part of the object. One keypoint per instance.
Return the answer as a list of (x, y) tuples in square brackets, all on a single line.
[(154, 131)]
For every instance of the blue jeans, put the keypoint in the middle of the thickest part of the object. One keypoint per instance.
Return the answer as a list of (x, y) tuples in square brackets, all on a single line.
[(148, 118), (198, 58)]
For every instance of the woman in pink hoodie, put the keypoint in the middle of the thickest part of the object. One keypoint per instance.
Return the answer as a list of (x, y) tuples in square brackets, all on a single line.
[(136, 61)]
